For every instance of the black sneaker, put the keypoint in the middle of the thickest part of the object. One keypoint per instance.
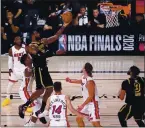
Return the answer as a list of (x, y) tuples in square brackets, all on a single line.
[(22, 111), (42, 119)]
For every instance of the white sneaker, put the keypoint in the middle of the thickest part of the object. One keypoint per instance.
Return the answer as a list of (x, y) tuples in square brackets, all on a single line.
[(29, 124)]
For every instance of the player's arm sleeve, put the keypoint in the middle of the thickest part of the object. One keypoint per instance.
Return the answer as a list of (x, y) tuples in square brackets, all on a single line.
[(10, 60)]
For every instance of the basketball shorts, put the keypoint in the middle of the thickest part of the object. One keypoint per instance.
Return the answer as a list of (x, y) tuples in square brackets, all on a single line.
[(25, 95), (137, 111), (43, 78), (91, 110), (59, 123), (16, 75)]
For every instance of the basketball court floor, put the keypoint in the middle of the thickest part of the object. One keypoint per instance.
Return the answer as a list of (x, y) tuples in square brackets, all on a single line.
[(109, 72)]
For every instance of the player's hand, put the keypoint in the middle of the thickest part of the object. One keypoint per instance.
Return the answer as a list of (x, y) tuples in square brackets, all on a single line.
[(60, 52), (33, 48), (66, 24), (10, 71), (44, 40), (10, 21), (79, 15), (80, 108), (68, 80), (52, 14)]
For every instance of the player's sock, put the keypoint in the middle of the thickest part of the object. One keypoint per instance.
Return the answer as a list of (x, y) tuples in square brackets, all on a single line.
[(27, 103), (9, 89), (43, 106)]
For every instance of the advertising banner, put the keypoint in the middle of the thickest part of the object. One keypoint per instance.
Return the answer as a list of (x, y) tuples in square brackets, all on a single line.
[(107, 44)]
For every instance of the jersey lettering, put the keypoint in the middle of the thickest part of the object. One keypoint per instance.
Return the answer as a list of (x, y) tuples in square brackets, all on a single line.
[(137, 89), (58, 110), (19, 55)]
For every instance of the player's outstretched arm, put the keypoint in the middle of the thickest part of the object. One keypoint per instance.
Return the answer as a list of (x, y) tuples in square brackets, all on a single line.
[(52, 39), (73, 81), (71, 108)]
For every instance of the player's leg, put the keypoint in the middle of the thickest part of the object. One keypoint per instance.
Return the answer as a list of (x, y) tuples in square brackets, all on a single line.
[(80, 122), (94, 115), (138, 112), (47, 94), (124, 114), (85, 112), (23, 107), (12, 81), (47, 83), (33, 119), (39, 89)]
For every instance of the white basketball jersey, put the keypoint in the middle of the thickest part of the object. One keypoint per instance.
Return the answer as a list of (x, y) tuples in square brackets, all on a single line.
[(26, 83), (85, 93), (17, 54), (58, 107)]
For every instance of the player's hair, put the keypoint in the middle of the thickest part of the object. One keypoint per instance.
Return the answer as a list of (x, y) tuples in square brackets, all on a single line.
[(135, 70), (89, 68), (23, 58), (16, 35), (83, 6), (96, 8), (57, 86)]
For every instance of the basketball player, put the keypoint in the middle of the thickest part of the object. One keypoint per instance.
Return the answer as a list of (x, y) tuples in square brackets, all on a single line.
[(57, 105), (133, 88), (90, 106), (42, 76), (15, 67), (25, 90)]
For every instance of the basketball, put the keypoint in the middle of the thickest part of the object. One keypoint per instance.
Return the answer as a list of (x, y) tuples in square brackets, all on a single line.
[(67, 17)]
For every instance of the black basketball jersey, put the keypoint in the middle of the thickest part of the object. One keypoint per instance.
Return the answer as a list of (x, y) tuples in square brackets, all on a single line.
[(135, 90), (39, 60)]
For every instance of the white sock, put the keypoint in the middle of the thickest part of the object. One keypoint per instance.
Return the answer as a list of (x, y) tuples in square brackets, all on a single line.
[(9, 89)]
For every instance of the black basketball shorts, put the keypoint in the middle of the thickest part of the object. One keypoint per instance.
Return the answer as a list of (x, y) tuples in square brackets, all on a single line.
[(137, 111), (43, 78)]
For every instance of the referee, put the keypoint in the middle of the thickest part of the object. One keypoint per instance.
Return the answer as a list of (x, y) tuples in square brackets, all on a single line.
[(134, 89)]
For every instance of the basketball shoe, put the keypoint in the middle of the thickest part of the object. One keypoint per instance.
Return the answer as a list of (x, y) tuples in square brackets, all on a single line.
[(6, 102)]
